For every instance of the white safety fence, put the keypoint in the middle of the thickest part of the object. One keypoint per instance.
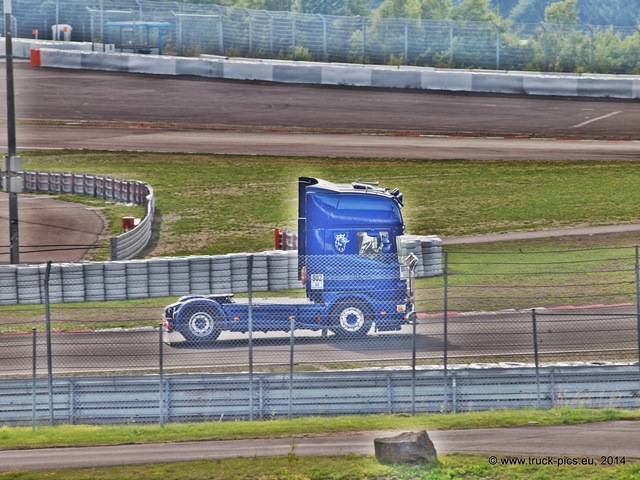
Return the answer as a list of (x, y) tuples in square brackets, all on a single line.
[(198, 397)]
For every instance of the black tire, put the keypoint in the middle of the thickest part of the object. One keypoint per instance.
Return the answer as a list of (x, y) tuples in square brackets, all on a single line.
[(351, 318), (200, 324)]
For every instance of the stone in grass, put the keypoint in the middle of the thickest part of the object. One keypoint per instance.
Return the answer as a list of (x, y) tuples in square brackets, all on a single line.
[(408, 447)]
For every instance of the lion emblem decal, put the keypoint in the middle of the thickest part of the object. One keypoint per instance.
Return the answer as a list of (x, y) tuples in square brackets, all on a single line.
[(341, 241)]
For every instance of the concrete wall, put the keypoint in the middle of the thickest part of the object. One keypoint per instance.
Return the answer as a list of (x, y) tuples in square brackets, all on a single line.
[(22, 47), (421, 78)]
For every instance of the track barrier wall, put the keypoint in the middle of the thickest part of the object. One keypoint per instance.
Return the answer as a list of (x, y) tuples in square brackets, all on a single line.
[(175, 276), (124, 246), (379, 76)]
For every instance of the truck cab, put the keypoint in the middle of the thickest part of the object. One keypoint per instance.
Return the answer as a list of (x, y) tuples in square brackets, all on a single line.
[(348, 260)]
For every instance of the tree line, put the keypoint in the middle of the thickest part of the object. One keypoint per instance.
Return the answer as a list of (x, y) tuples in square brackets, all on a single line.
[(588, 12)]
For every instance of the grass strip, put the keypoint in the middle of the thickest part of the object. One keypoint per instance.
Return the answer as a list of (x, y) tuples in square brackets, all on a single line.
[(87, 435)]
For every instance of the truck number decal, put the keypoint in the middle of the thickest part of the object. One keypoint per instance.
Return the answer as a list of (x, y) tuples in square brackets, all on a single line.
[(317, 281)]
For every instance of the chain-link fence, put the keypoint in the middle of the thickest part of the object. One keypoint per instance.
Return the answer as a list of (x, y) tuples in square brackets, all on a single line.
[(349, 342), (194, 29)]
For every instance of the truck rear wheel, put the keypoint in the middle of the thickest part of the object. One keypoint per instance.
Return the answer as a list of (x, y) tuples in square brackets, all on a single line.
[(201, 325), (351, 318)]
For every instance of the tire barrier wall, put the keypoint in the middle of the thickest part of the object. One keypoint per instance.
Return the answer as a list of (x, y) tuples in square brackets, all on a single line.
[(425, 78), (175, 276), (198, 397), (124, 246)]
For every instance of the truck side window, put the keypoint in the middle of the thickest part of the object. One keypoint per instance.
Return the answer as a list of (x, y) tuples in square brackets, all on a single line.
[(371, 246)]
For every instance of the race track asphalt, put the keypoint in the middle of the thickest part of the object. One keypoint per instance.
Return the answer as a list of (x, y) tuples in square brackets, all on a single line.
[(50, 229), (569, 442)]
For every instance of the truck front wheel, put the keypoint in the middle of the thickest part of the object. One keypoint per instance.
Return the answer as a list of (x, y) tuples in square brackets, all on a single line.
[(201, 325), (351, 318)]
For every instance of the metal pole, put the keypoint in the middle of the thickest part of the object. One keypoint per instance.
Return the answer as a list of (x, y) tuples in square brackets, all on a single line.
[(57, 20), (292, 342), (33, 400), (220, 32), (324, 38), (497, 27), (545, 53), (161, 376), (413, 362), (104, 48), (250, 33), (250, 327), (47, 306), (445, 328), (364, 39), (593, 48), (12, 162), (406, 42), (293, 37), (638, 299), (450, 44), (535, 355), (180, 35)]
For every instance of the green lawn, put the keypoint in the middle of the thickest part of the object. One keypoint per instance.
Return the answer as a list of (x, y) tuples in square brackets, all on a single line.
[(211, 204), (335, 467)]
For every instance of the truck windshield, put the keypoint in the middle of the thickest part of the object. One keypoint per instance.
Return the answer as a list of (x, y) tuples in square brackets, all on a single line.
[(374, 245)]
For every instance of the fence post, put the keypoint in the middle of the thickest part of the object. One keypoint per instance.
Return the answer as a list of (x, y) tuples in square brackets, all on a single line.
[(410, 264), (250, 327), (35, 384), (450, 44), (270, 33), (413, 361), (497, 27), (593, 48), (47, 309), (161, 376), (220, 31), (364, 39), (445, 326), (545, 53), (325, 49), (250, 33), (535, 355), (294, 40), (291, 344), (406, 42), (638, 300)]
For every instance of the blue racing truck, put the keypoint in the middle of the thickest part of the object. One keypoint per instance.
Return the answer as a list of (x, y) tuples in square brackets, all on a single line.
[(349, 259)]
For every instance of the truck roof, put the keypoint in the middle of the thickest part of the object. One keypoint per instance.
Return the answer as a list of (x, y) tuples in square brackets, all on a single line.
[(316, 184)]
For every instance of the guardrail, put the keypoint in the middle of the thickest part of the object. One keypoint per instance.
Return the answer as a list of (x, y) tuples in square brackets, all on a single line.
[(124, 246), (197, 397)]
